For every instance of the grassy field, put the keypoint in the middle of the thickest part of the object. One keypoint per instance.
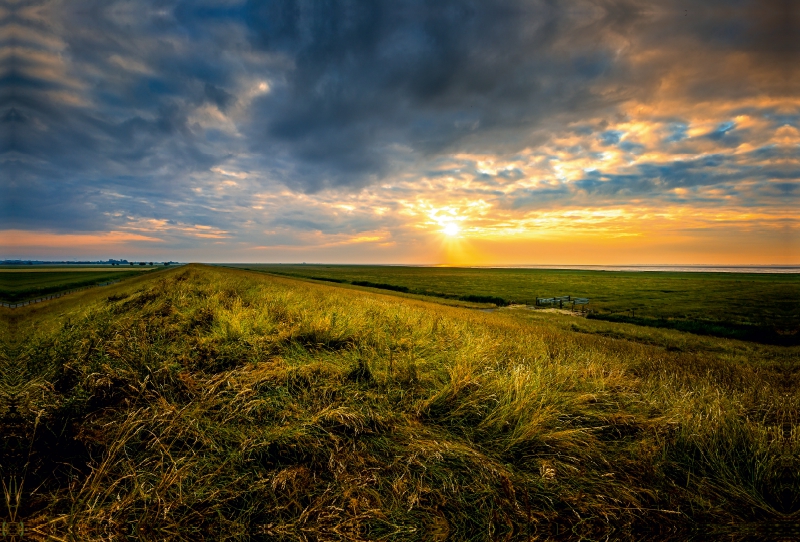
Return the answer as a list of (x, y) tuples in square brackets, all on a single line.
[(211, 402), (18, 285), (762, 307)]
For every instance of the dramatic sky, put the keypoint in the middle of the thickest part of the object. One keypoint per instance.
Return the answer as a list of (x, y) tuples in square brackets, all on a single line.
[(401, 131)]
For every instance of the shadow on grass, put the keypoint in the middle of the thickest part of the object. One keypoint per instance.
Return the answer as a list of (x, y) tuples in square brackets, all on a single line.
[(764, 334)]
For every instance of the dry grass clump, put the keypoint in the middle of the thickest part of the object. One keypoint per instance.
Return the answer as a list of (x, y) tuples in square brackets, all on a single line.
[(218, 403)]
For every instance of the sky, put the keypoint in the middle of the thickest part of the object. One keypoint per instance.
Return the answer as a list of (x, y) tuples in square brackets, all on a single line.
[(454, 132)]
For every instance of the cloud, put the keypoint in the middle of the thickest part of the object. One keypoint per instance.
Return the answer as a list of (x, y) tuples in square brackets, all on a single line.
[(369, 87), (246, 116), (16, 240), (610, 137)]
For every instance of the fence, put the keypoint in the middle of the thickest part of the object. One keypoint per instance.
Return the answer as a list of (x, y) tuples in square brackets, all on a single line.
[(542, 301), (55, 296)]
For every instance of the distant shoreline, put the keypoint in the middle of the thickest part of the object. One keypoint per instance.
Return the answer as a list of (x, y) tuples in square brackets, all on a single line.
[(781, 269), (744, 269)]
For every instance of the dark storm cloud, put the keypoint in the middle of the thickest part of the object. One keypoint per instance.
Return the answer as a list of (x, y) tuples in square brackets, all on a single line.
[(428, 76), (358, 80), (219, 97), (115, 109), (98, 100)]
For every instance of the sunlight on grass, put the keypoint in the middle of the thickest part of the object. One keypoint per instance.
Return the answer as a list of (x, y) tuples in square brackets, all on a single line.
[(207, 400)]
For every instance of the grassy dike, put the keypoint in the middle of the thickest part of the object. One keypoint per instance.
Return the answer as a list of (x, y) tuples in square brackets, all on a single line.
[(209, 402)]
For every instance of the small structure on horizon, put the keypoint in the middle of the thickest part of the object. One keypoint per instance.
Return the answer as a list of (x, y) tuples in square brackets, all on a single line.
[(575, 301)]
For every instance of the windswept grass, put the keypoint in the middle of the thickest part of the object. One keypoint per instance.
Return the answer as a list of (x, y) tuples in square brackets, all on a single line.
[(220, 403)]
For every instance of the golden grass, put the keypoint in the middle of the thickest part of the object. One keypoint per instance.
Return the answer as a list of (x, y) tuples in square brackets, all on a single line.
[(207, 402)]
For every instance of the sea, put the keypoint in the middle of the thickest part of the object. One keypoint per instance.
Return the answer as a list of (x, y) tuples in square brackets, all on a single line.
[(673, 268)]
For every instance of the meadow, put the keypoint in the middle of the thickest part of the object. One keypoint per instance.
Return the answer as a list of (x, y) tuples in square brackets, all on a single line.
[(213, 402), (17, 285), (750, 306)]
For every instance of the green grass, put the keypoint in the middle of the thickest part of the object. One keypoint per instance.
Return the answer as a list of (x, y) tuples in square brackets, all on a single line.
[(763, 307), (17, 286), (209, 402)]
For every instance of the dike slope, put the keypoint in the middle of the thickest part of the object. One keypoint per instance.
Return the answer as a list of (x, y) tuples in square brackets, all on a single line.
[(210, 403)]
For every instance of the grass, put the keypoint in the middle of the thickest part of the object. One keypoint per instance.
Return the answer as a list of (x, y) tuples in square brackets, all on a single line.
[(21, 285), (209, 402), (751, 306)]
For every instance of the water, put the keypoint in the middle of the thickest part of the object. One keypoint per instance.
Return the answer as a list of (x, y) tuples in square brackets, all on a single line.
[(671, 268)]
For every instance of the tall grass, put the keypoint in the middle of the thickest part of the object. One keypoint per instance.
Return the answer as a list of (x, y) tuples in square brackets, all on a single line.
[(220, 403)]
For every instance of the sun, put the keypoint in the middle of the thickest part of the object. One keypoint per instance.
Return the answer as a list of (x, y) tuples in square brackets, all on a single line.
[(451, 229)]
